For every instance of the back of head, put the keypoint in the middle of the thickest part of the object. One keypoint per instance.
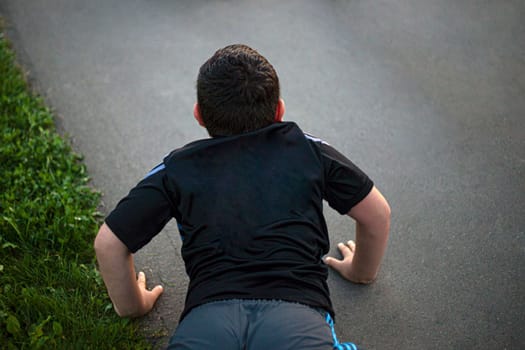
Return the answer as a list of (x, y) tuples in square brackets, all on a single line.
[(237, 91)]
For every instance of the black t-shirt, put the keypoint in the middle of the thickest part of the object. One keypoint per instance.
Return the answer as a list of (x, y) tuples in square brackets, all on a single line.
[(250, 214)]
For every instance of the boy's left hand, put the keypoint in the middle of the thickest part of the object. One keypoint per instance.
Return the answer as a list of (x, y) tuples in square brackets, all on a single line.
[(343, 266)]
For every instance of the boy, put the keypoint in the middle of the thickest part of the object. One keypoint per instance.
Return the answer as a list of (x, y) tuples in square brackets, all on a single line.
[(248, 202)]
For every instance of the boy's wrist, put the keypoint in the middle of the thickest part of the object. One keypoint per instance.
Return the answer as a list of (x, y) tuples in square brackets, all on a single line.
[(360, 277)]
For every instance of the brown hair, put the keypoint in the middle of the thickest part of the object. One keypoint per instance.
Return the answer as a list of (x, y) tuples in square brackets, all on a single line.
[(237, 91)]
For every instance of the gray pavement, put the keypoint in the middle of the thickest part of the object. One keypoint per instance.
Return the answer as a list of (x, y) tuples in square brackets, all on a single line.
[(428, 97)]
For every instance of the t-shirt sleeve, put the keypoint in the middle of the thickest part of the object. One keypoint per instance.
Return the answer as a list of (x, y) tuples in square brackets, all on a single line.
[(345, 184), (143, 213)]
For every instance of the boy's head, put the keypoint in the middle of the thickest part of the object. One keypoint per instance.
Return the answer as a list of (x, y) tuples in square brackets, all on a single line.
[(237, 92)]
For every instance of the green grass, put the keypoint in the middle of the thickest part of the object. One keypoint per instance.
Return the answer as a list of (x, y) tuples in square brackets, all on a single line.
[(51, 294)]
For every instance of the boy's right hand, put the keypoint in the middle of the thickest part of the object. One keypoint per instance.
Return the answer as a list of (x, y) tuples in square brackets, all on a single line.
[(149, 297)]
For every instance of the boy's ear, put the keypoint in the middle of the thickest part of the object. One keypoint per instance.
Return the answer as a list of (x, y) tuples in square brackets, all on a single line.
[(279, 112), (197, 114)]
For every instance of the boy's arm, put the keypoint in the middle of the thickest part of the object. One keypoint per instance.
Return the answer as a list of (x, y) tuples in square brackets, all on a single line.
[(127, 292), (361, 260)]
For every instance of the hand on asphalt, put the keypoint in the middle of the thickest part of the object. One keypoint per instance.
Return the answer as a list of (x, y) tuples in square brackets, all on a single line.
[(344, 266), (149, 297)]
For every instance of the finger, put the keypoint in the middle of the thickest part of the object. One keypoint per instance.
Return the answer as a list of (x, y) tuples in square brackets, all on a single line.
[(351, 244), (333, 262), (345, 250), (141, 280), (157, 291), (151, 297)]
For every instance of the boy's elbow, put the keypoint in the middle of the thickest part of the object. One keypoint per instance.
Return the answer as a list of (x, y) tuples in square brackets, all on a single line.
[(387, 213), (373, 211), (383, 214), (101, 242), (380, 221), (107, 241)]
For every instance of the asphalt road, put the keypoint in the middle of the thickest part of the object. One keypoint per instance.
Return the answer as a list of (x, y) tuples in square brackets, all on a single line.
[(428, 97)]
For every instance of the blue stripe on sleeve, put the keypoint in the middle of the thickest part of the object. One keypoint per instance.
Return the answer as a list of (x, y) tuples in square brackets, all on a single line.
[(315, 139), (155, 170)]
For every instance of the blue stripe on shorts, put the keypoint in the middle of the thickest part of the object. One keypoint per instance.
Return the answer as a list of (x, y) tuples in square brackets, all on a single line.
[(337, 344)]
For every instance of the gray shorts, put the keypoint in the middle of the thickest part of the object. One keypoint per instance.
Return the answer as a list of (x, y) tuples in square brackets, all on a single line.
[(256, 325)]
